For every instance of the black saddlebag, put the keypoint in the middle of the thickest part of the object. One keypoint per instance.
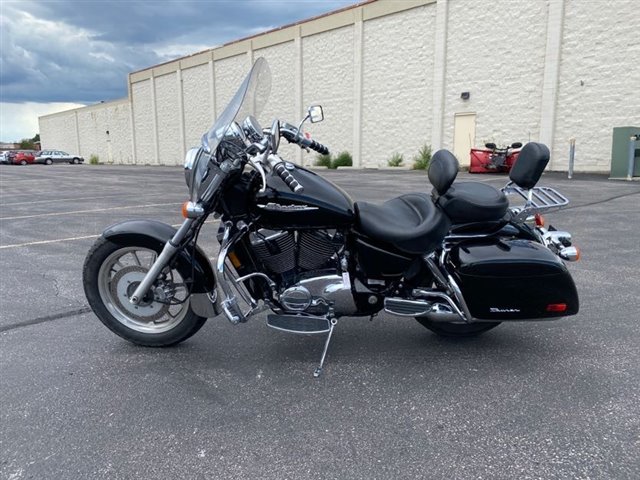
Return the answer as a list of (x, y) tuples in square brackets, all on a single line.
[(513, 280)]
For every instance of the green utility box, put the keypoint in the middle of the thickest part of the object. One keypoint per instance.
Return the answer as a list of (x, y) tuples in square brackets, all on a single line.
[(620, 152)]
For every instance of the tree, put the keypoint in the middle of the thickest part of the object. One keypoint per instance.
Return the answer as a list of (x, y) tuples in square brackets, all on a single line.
[(27, 144)]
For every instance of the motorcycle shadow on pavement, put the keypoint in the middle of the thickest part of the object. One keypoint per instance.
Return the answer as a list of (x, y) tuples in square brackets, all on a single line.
[(383, 345)]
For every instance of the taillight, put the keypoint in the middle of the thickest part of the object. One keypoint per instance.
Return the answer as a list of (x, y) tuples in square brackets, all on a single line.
[(557, 307)]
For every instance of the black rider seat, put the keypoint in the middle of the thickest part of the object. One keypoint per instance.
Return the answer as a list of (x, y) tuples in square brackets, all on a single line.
[(410, 222), (470, 202)]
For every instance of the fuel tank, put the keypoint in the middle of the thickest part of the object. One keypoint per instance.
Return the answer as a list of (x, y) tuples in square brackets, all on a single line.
[(322, 204)]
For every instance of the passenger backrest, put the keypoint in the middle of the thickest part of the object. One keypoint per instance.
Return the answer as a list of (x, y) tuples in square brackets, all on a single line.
[(443, 170), (531, 163)]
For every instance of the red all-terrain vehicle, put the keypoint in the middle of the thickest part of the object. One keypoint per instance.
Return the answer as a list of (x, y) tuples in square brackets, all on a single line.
[(493, 159)]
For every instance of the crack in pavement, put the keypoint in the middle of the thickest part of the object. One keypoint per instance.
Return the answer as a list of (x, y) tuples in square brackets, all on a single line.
[(48, 318)]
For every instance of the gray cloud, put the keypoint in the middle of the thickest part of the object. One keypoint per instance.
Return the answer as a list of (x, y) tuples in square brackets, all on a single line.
[(82, 51)]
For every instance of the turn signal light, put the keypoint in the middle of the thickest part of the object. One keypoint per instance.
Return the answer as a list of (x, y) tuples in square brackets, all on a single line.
[(557, 307), (192, 210), (539, 220), (571, 254)]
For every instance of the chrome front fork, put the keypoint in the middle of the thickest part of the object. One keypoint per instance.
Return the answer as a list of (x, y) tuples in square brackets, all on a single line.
[(169, 250)]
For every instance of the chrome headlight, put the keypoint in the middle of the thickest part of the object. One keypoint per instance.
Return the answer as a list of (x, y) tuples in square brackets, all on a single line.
[(195, 169)]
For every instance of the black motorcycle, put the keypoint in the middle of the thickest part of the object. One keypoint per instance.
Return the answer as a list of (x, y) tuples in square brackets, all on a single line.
[(459, 260)]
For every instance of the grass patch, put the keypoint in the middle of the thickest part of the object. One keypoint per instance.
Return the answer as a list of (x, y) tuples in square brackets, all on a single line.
[(396, 160), (422, 160)]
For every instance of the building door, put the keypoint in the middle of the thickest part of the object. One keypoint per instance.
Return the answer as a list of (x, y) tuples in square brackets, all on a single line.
[(464, 136)]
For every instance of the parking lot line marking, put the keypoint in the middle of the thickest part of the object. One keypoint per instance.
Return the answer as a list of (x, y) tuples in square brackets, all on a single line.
[(82, 198), (70, 239), (43, 242), (54, 214)]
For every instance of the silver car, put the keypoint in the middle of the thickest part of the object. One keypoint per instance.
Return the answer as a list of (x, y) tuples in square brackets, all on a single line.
[(56, 156)]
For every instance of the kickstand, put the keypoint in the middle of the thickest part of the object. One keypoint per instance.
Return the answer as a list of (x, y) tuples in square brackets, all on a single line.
[(318, 370)]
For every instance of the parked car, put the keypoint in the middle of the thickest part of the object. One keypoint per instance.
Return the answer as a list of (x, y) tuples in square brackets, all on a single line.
[(4, 158), (24, 157), (56, 156)]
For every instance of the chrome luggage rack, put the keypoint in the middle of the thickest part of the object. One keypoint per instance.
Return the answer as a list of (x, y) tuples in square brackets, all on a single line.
[(536, 199)]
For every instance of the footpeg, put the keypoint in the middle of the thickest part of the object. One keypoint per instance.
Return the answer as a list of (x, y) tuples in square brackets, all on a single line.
[(299, 323), (407, 308)]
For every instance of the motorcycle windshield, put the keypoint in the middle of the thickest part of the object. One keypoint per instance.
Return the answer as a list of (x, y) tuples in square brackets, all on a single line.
[(250, 99)]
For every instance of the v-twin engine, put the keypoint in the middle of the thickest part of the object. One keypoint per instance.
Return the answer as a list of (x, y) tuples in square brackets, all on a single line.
[(306, 266)]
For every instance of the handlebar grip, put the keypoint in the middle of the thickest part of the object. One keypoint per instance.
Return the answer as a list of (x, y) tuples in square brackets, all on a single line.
[(313, 145), (318, 147), (287, 178)]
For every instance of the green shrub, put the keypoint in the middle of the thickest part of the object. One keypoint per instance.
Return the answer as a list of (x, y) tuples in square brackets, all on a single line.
[(423, 159), (323, 161), (94, 159), (343, 159), (395, 160)]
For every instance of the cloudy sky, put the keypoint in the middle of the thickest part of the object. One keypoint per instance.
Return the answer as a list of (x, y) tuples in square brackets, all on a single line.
[(57, 55)]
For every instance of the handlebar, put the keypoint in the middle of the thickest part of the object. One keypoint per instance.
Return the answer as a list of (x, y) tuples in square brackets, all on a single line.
[(280, 169), (293, 135), (313, 145)]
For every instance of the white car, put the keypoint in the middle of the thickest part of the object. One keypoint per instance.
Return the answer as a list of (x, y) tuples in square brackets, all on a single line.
[(56, 156), (4, 158)]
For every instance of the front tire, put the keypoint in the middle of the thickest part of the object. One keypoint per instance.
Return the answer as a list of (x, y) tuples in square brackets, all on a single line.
[(48, 161), (459, 330), (111, 273)]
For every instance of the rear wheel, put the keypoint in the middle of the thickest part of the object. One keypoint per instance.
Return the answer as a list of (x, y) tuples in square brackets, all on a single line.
[(23, 162), (457, 329), (112, 272), (74, 161)]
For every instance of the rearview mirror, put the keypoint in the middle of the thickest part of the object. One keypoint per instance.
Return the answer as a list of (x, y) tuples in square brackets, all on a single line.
[(275, 136), (516, 145), (316, 114)]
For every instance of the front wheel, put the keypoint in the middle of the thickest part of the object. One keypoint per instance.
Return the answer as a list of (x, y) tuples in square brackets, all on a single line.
[(112, 272), (457, 329), (48, 161)]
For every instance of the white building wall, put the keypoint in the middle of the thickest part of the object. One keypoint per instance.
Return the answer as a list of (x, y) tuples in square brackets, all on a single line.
[(397, 71), (599, 80), (58, 131), (198, 108), (143, 121), (495, 51), (168, 118), (328, 79)]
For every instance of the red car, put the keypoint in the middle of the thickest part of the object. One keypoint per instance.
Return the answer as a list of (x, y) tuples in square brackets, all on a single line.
[(24, 157)]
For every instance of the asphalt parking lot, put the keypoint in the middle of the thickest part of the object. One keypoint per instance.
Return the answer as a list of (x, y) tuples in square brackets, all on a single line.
[(529, 400)]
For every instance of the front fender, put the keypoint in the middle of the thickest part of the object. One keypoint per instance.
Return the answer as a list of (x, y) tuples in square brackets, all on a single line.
[(153, 234)]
